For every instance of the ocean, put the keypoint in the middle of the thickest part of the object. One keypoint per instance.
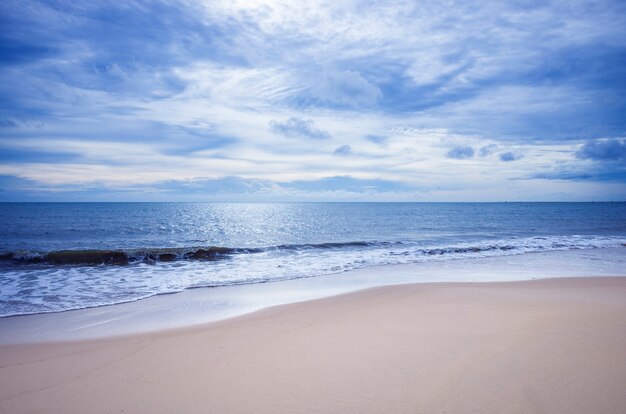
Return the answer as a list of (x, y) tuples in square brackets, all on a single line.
[(62, 256)]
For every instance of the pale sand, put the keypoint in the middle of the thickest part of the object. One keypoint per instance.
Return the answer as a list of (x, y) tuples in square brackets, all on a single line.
[(549, 346)]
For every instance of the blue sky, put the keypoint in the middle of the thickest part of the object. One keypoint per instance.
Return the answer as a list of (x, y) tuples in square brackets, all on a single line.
[(321, 100)]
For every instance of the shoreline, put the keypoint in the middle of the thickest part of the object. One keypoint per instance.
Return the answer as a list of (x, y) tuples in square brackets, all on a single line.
[(550, 345), (37, 282), (199, 306)]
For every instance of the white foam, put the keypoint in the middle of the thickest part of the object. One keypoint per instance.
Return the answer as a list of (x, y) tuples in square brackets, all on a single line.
[(40, 289)]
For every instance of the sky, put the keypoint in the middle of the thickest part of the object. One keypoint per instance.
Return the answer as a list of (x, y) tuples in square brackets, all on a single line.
[(183, 100)]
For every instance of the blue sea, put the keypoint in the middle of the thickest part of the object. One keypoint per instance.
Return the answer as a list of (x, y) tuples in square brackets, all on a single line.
[(62, 256)]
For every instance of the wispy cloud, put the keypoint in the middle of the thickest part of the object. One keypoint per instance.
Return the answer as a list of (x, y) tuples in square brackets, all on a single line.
[(182, 96), (510, 156), (604, 150), (297, 127), (487, 150), (343, 150), (461, 152)]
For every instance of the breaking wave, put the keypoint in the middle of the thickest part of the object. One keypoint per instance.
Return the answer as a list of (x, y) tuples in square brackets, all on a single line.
[(60, 280), (122, 257)]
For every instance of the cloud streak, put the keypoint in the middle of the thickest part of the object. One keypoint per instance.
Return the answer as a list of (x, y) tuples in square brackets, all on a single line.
[(461, 153), (297, 127), (510, 156), (343, 150)]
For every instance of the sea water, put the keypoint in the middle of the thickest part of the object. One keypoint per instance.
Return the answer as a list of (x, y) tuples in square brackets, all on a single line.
[(62, 256)]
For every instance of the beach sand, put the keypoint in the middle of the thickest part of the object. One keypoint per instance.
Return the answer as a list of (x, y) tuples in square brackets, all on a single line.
[(546, 346)]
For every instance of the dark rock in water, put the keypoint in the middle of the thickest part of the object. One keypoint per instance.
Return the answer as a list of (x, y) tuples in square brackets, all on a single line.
[(6, 256), (167, 257), (435, 251), (87, 257), (213, 253)]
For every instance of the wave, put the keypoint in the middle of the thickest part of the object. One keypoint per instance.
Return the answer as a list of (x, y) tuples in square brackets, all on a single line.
[(42, 282), (116, 257), (122, 257)]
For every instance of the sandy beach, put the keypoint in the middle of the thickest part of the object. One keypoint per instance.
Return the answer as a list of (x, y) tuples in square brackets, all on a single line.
[(551, 346), (321, 207)]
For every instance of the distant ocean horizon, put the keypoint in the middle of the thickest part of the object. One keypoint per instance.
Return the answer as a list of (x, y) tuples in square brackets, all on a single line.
[(63, 256)]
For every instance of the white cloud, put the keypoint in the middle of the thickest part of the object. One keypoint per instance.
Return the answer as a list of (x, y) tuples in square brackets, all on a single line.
[(426, 77)]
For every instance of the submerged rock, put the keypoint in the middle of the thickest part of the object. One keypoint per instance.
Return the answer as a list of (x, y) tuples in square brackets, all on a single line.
[(87, 257), (167, 257), (212, 253)]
